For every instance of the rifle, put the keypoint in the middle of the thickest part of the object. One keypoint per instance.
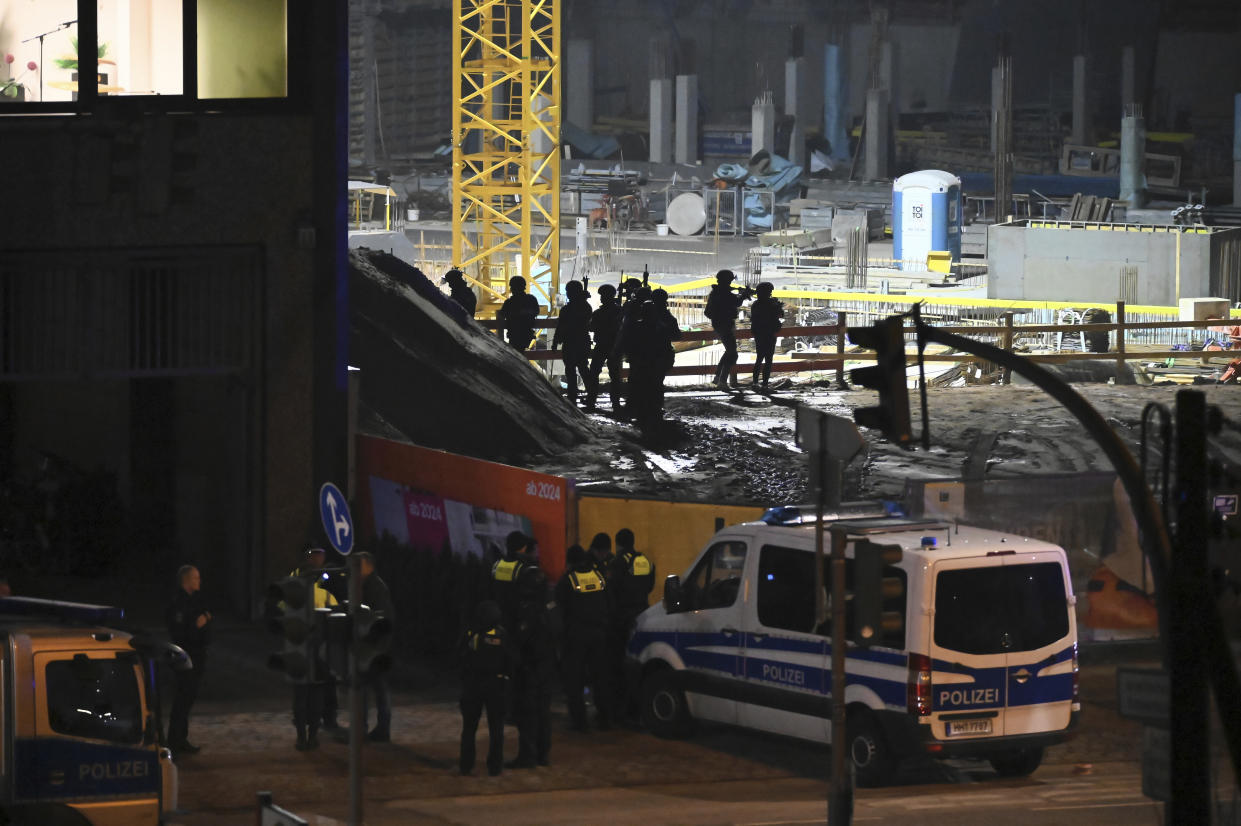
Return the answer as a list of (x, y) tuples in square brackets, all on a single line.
[(646, 276)]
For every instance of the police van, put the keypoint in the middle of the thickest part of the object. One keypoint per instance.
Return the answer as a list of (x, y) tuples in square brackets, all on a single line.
[(78, 727), (976, 657)]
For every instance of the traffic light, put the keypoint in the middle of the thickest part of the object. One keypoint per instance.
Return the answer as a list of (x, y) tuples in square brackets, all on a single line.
[(338, 634), (891, 416), (878, 594), (295, 620), (372, 638)]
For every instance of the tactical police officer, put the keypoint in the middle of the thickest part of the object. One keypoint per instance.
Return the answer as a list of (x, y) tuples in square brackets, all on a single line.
[(460, 291), (722, 308), (766, 316), (518, 313), (605, 324), (573, 331)]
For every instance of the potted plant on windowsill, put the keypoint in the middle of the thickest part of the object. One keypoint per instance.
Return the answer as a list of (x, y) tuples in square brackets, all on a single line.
[(71, 63), (12, 88)]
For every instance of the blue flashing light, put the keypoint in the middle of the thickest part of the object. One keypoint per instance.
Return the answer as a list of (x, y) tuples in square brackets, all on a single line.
[(929, 542), (771, 577), (782, 515), (893, 508)]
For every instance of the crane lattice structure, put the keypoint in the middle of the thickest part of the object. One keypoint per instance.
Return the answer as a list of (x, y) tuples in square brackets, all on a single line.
[(506, 144)]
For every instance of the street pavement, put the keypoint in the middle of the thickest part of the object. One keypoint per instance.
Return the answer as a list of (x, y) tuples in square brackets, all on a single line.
[(247, 746)]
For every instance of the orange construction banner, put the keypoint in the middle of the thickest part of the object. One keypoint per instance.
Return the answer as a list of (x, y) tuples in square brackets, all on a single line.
[(418, 473)]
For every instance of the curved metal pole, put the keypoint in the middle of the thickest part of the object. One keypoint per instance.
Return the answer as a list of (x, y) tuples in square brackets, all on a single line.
[(1165, 433)]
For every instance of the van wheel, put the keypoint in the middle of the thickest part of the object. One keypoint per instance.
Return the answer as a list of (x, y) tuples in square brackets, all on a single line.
[(664, 711), (873, 760), (1017, 763)]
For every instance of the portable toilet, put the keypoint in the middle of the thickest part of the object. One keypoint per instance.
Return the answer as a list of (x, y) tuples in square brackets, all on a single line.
[(926, 217)]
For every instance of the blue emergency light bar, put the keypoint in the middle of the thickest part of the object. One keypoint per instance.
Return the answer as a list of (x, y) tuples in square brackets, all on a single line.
[(79, 612), (805, 514)]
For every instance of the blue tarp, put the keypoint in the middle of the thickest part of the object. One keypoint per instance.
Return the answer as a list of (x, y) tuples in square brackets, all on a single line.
[(782, 180)]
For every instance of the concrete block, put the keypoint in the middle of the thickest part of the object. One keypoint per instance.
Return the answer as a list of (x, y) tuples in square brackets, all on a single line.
[(1200, 309)]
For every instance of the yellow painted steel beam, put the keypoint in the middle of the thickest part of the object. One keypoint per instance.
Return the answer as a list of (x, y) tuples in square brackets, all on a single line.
[(506, 144)]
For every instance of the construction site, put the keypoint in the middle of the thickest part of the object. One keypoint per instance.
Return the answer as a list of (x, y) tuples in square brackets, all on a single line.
[(225, 289), (1081, 208)]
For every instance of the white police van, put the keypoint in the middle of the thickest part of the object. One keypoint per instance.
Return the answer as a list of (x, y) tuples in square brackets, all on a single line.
[(977, 656)]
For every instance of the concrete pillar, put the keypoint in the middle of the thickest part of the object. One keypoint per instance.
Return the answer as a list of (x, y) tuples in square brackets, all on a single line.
[(997, 95), (795, 105), (1081, 128), (763, 124), (835, 97), (1132, 152), (1236, 151), (1128, 77), (579, 83), (539, 141), (876, 137), (661, 120), (687, 119)]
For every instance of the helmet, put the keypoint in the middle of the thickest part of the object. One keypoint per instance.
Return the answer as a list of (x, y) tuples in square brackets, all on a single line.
[(660, 296), (607, 291), (453, 276), (573, 288), (517, 283), (724, 277), (765, 288)]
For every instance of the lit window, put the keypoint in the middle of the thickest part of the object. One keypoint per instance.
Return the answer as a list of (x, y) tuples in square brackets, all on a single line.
[(242, 49)]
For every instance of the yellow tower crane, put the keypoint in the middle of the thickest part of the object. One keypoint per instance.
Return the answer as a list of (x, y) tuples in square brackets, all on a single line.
[(506, 145)]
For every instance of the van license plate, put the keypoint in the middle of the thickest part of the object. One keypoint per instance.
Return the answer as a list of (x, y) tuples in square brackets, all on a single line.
[(969, 727)]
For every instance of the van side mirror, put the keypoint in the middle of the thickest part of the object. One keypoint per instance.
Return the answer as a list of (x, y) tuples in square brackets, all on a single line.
[(674, 594)]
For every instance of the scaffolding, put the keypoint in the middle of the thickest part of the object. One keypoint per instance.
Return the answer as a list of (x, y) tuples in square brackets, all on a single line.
[(506, 144)]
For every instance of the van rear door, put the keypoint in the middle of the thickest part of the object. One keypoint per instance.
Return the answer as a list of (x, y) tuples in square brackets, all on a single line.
[(1002, 645), (968, 659), (1042, 643)]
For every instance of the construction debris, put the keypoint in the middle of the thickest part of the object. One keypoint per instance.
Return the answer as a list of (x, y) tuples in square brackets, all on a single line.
[(440, 378)]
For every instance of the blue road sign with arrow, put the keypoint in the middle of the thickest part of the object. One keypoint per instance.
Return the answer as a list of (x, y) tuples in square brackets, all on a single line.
[(337, 522)]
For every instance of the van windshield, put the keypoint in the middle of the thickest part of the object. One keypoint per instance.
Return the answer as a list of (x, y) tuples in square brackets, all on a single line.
[(1000, 609), (95, 698)]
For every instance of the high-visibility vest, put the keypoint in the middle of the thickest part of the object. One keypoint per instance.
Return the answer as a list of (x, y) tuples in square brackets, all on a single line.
[(637, 563), (506, 571), (323, 597), (586, 582), (487, 651)]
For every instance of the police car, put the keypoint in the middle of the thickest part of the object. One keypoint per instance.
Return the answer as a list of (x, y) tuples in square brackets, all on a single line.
[(78, 733), (977, 655)]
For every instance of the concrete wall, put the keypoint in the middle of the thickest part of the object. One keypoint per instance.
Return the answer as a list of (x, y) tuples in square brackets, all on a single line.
[(1072, 264)]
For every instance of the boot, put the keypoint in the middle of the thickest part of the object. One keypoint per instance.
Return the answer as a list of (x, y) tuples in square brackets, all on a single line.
[(300, 745)]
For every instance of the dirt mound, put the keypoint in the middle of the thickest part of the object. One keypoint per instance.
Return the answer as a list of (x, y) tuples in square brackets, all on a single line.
[(441, 379)]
